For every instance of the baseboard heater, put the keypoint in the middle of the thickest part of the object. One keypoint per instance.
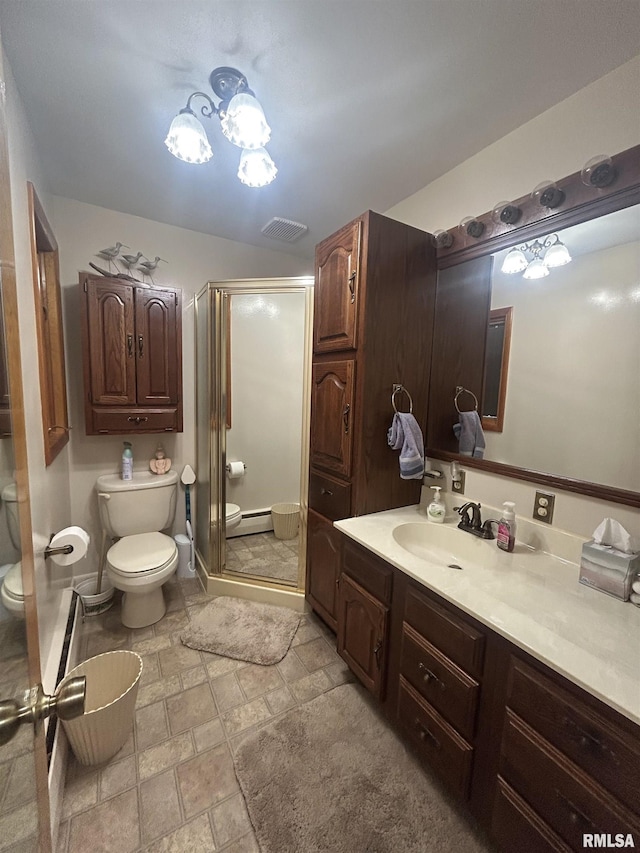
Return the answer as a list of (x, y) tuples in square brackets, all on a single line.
[(253, 521)]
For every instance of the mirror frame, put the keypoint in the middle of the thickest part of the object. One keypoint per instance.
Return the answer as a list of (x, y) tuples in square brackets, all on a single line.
[(581, 203)]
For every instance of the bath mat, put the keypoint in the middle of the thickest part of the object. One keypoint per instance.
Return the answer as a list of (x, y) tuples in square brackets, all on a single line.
[(332, 777), (244, 630)]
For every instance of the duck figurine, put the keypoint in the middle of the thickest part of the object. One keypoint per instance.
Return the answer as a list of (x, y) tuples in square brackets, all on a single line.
[(160, 464)]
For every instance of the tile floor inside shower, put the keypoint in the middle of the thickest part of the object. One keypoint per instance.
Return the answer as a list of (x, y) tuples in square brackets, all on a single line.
[(264, 555), (172, 787)]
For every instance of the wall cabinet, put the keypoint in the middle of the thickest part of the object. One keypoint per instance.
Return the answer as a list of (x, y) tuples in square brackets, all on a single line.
[(374, 301), (132, 356), (538, 761)]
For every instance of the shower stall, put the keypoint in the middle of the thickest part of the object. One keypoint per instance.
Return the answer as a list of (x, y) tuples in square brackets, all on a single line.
[(253, 365)]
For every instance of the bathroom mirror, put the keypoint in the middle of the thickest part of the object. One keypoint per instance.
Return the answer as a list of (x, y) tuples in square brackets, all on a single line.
[(573, 384), (496, 368)]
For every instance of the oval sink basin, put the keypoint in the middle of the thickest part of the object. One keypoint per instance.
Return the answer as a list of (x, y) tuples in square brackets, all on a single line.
[(443, 543)]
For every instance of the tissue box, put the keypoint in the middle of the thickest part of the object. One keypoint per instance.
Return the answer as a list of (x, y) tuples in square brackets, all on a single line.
[(607, 569)]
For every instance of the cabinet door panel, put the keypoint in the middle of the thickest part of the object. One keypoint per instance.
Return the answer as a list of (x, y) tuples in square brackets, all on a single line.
[(110, 319), (336, 291), (324, 555), (156, 347), (332, 416), (362, 634)]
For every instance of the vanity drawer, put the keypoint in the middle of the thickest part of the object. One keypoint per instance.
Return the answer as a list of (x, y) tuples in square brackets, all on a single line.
[(369, 571), (515, 826), (135, 420), (329, 497), (607, 753), (565, 797), (436, 742), (458, 640), (450, 690)]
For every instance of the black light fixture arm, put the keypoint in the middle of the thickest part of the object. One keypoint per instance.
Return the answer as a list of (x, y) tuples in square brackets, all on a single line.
[(208, 110)]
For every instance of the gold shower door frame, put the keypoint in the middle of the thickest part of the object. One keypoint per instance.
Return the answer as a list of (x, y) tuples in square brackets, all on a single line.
[(218, 305)]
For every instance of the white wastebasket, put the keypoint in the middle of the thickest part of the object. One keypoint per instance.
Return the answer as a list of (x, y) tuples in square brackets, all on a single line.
[(112, 689), (286, 518)]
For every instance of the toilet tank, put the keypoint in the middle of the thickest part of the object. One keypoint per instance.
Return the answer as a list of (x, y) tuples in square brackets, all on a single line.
[(145, 504)]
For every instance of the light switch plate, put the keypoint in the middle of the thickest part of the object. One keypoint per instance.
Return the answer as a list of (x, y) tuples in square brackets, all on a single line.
[(457, 486), (543, 507)]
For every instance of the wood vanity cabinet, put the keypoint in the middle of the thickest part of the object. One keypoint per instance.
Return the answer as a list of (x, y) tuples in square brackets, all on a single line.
[(132, 356), (374, 302), (538, 761)]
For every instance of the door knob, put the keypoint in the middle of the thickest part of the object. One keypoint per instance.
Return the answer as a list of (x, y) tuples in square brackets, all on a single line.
[(67, 702)]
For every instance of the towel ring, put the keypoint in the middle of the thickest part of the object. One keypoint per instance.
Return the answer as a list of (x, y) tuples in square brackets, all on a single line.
[(398, 389), (461, 390)]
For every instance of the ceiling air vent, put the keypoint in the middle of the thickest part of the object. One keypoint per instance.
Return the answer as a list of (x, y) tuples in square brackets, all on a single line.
[(284, 229)]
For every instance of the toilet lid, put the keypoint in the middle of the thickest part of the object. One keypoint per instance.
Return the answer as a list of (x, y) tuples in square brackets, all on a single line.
[(13, 581), (141, 552), (231, 511)]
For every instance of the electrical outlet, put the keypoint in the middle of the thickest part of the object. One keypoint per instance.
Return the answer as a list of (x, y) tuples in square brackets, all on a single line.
[(457, 486), (543, 507)]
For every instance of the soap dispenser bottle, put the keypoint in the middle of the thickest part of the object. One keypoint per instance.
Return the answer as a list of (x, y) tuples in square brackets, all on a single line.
[(127, 462), (436, 510), (506, 539)]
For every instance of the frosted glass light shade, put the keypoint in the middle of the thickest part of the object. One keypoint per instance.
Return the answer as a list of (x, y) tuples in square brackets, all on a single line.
[(536, 269), (244, 122), (256, 168), (187, 140), (514, 261), (557, 256)]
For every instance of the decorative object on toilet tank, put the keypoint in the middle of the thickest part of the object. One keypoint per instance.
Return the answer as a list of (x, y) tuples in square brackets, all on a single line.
[(160, 464)]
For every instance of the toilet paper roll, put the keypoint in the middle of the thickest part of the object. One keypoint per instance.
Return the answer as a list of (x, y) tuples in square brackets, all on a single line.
[(235, 470), (74, 536)]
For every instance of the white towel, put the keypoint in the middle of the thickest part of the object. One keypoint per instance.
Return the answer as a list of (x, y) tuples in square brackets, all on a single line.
[(405, 435)]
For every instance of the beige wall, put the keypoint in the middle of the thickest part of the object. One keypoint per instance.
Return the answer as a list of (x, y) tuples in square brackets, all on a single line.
[(49, 487), (601, 118)]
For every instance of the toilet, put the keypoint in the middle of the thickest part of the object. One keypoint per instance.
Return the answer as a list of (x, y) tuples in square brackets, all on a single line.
[(143, 559), (233, 516), (11, 574)]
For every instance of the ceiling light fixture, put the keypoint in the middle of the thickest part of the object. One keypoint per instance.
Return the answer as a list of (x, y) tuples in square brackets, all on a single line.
[(555, 254), (243, 123)]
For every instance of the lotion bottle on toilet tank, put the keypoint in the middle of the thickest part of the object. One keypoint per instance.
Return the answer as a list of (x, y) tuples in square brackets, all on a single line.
[(127, 462)]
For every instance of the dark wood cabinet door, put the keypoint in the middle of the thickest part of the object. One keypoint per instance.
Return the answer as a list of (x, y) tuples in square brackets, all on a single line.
[(324, 557), (332, 386), (362, 634), (336, 290), (157, 361), (112, 353)]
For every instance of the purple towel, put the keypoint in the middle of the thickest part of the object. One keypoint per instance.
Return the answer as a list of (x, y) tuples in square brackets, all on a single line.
[(470, 435), (405, 435)]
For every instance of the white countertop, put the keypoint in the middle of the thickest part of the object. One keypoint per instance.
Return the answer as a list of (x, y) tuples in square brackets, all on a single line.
[(534, 600)]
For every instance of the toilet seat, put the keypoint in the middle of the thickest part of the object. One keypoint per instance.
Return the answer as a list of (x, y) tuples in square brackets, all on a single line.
[(141, 552), (12, 585), (232, 514)]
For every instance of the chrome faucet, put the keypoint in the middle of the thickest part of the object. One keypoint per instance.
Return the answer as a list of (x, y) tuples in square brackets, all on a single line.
[(471, 520)]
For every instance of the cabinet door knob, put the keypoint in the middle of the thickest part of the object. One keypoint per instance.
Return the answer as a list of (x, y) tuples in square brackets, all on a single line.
[(324, 491), (425, 735), (576, 816), (130, 345), (352, 286), (345, 417), (428, 675), (376, 651), (140, 346), (137, 420)]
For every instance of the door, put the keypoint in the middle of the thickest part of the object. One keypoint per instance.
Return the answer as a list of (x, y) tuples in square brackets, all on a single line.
[(156, 347), (112, 344), (24, 799), (336, 290), (332, 384), (323, 567), (362, 634)]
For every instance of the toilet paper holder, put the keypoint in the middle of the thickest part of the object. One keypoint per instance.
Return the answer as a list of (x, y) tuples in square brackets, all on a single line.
[(228, 466), (63, 549)]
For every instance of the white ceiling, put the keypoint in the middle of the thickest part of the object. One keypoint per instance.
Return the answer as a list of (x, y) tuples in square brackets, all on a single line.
[(368, 100)]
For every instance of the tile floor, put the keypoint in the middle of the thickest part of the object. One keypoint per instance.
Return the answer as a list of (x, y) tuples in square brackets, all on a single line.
[(263, 555), (172, 787)]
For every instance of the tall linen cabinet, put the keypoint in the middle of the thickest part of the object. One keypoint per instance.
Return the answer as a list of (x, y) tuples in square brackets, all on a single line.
[(374, 298)]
